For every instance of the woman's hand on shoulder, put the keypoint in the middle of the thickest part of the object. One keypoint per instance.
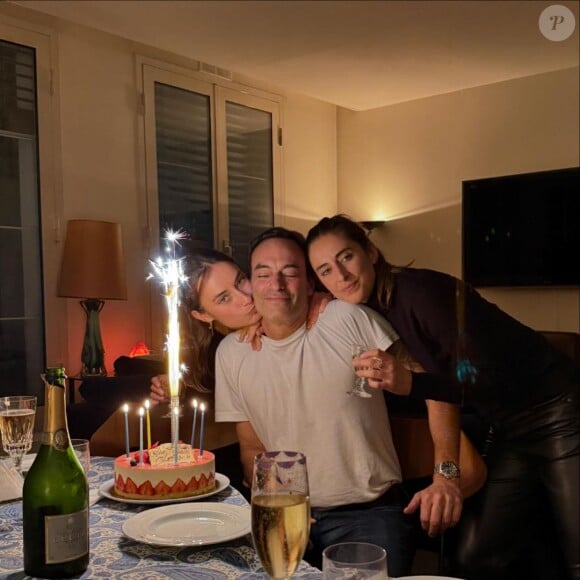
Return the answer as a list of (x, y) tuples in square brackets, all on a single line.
[(252, 334), (318, 304), (158, 390)]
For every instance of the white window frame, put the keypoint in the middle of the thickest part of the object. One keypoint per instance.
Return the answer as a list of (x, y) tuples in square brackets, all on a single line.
[(44, 42), (223, 95), (219, 91)]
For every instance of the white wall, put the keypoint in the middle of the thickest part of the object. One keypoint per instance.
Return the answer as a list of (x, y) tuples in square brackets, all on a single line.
[(102, 165), (310, 171), (406, 163)]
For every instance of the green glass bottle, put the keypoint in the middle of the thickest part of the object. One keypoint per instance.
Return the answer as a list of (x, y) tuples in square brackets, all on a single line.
[(55, 497)]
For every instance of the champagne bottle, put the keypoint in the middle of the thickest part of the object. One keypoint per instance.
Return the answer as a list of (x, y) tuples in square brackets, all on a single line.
[(55, 498)]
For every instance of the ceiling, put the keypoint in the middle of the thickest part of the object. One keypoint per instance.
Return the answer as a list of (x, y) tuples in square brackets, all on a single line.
[(353, 53)]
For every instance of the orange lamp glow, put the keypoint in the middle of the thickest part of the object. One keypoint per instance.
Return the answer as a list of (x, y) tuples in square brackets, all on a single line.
[(140, 349)]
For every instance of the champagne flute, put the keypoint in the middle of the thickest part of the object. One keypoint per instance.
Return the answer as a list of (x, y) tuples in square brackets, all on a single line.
[(17, 426), (280, 511), (358, 387)]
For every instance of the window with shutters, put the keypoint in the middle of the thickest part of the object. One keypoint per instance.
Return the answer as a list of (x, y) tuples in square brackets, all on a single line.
[(29, 337), (21, 323), (212, 156)]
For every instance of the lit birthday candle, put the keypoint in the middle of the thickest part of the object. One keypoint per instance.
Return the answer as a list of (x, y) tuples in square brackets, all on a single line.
[(141, 413), (194, 404), (126, 411), (201, 429), (147, 405)]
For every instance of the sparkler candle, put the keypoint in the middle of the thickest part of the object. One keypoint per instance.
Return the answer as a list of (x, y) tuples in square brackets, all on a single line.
[(141, 413), (194, 404), (126, 411), (170, 273), (201, 429), (147, 405), (175, 416)]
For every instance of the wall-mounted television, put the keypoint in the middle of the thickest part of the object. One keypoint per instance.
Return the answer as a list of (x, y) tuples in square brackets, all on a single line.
[(522, 230)]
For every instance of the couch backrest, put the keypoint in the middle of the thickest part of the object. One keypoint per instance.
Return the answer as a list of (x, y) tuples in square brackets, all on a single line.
[(566, 342)]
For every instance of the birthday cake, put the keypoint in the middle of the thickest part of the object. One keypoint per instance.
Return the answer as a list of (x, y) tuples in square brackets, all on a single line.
[(159, 477)]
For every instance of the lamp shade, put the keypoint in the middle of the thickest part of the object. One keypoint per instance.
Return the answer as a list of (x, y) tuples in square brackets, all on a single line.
[(93, 263)]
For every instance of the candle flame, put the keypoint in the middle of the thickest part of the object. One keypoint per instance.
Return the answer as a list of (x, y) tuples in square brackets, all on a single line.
[(202, 407), (176, 411), (141, 411), (147, 404), (125, 408), (194, 403)]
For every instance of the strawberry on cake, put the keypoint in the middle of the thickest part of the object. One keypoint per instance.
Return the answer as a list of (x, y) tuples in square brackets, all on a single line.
[(159, 477)]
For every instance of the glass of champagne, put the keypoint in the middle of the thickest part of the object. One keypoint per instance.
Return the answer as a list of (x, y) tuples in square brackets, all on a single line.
[(280, 511), (17, 426), (358, 387)]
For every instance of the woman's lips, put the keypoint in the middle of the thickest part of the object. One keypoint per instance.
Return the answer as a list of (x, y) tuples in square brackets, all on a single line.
[(350, 289)]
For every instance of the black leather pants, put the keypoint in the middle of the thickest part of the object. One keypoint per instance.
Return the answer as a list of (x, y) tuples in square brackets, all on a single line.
[(530, 503)]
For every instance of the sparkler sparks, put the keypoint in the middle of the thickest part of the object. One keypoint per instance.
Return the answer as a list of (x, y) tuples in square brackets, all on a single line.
[(170, 273)]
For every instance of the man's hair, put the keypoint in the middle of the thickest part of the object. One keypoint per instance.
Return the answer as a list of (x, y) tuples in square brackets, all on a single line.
[(280, 234)]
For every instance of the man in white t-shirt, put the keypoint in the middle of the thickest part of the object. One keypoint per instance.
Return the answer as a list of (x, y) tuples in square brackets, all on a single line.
[(292, 395)]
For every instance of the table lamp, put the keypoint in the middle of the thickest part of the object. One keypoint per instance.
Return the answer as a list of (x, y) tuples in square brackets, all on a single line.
[(93, 268)]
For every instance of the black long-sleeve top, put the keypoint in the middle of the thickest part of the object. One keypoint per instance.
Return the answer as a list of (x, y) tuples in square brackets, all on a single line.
[(472, 351)]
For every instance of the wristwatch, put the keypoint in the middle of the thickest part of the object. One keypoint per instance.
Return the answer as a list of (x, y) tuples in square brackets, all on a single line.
[(448, 469)]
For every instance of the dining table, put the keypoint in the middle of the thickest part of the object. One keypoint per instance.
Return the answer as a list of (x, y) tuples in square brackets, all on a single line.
[(115, 555)]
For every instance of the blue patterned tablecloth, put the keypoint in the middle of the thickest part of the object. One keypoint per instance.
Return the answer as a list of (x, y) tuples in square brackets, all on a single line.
[(115, 556)]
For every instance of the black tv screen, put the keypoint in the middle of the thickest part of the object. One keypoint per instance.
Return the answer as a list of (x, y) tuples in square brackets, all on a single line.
[(522, 230)]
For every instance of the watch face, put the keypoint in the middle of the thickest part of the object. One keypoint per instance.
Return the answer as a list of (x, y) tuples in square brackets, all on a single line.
[(448, 469)]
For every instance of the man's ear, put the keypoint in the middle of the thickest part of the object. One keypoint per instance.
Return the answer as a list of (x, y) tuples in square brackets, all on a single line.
[(201, 316)]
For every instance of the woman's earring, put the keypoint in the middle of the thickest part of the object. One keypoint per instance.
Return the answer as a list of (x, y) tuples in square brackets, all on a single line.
[(210, 326)]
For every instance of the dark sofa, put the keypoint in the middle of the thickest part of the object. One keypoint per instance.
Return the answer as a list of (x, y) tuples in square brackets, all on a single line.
[(102, 396)]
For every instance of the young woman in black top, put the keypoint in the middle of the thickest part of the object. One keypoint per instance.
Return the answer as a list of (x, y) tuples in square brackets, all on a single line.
[(476, 354)]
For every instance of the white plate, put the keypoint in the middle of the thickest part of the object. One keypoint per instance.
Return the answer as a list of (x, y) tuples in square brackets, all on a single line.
[(197, 524), (107, 490)]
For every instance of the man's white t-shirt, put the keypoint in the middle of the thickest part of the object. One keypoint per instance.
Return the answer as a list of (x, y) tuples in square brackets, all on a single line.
[(294, 393)]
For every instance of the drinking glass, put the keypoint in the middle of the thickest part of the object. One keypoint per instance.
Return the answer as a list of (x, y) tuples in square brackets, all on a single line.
[(354, 561), (82, 450), (280, 511), (17, 426), (358, 387)]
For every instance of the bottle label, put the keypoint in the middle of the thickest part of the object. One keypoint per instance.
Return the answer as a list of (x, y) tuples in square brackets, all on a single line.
[(57, 440), (60, 439), (66, 537)]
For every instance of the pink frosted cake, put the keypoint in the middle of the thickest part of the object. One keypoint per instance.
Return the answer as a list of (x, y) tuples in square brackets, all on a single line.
[(159, 477)]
